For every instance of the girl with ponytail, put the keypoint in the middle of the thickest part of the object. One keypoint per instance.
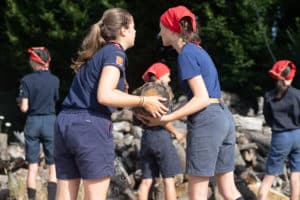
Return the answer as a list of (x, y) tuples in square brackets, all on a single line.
[(84, 148)]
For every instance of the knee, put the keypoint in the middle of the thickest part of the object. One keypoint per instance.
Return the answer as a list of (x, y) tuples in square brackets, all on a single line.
[(33, 169), (145, 184), (169, 181), (295, 179)]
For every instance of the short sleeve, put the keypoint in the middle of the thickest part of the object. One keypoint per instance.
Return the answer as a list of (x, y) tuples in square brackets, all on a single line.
[(188, 66), (23, 90), (115, 58)]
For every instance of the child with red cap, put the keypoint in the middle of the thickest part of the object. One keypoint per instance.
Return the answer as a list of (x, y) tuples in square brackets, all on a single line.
[(281, 112), (158, 155), (211, 131), (38, 93)]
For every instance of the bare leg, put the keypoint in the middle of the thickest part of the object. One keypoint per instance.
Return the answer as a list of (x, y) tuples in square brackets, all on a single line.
[(67, 189), (96, 189), (295, 185), (227, 187), (33, 169), (265, 187), (52, 173), (143, 191), (170, 191), (198, 187)]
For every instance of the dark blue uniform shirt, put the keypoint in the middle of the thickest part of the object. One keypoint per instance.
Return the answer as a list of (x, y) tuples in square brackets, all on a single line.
[(83, 91), (41, 88), (194, 61), (282, 114)]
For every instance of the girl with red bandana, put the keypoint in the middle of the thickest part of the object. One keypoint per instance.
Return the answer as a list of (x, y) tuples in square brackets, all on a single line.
[(211, 131), (281, 112)]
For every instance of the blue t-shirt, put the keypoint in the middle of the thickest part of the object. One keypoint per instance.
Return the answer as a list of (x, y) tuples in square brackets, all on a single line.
[(83, 91), (194, 61), (282, 114), (41, 88)]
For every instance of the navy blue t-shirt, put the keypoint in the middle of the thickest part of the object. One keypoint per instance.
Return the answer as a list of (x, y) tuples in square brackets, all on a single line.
[(194, 61), (282, 114), (41, 88), (83, 91)]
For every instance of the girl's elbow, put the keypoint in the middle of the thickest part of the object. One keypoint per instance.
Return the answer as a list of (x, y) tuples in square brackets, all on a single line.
[(102, 99), (24, 109), (205, 101)]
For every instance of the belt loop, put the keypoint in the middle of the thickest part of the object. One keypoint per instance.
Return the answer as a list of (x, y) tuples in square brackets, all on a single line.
[(222, 105)]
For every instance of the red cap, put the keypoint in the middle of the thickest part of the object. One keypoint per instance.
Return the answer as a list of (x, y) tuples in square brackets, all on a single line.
[(171, 18), (279, 67), (157, 69), (35, 57)]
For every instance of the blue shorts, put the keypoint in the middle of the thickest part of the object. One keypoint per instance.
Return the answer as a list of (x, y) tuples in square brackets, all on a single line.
[(210, 141), (284, 146), (83, 145), (39, 129), (158, 155)]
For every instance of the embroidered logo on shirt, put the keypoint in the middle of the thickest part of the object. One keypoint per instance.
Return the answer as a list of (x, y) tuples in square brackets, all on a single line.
[(119, 60)]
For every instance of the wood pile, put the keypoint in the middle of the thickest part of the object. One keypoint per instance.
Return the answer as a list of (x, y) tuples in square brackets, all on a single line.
[(252, 145)]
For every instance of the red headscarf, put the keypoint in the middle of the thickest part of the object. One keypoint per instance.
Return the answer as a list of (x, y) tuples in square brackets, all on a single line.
[(157, 69), (279, 67), (35, 57), (171, 18)]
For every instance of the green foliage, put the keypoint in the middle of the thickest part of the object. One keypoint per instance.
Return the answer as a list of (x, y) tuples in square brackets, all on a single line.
[(237, 34)]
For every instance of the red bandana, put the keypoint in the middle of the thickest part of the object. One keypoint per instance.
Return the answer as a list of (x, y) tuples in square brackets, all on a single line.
[(157, 69), (171, 18), (35, 57), (279, 67)]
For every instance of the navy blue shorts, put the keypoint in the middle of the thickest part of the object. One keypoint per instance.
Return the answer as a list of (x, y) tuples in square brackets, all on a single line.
[(210, 141), (158, 155), (39, 129), (284, 146), (83, 145)]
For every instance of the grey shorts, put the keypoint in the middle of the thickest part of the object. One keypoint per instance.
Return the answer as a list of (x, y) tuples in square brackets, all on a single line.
[(210, 141)]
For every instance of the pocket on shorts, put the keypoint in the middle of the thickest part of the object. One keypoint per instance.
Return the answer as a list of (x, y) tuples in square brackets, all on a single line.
[(206, 116), (32, 126)]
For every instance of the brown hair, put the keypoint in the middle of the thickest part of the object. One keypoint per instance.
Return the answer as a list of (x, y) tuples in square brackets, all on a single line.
[(281, 87), (106, 29), (187, 32)]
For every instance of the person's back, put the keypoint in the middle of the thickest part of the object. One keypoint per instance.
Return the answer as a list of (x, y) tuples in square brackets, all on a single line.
[(282, 113), (42, 88), (38, 94)]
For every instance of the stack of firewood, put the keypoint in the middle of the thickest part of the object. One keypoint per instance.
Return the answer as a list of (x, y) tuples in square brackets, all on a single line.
[(252, 144)]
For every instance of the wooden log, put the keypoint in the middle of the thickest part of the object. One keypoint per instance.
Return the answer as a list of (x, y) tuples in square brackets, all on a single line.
[(253, 183), (248, 123), (3, 141)]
